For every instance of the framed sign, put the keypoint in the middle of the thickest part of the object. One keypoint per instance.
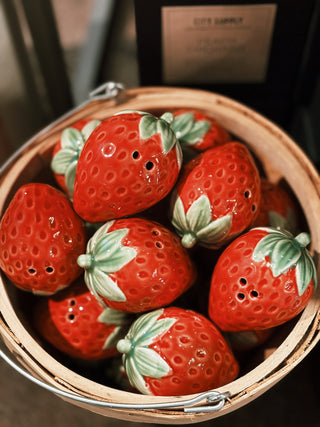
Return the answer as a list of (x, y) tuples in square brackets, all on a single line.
[(216, 44), (259, 52)]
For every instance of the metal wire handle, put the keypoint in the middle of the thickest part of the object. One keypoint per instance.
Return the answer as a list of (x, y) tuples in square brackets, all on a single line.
[(214, 399), (107, 90)]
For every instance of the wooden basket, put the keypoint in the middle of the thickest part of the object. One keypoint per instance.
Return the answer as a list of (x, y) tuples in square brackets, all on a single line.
[(280, 157)]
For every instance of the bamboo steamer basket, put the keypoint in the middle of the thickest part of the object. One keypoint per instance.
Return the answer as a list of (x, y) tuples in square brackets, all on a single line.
[(280, 157)]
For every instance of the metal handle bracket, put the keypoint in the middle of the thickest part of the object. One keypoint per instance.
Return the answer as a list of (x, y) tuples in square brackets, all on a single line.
[(108, 90)]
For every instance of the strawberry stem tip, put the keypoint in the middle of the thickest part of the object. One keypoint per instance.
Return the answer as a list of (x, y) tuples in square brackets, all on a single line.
[(303, 239), (167, 117), (124, 345), (85, 261), (189, 240)]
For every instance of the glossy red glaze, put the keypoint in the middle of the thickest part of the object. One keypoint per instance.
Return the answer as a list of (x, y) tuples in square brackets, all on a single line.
[(41, 238), (245, 295), (70, 322), (160, 272), (119, 173), (228, 176), (197, 354)]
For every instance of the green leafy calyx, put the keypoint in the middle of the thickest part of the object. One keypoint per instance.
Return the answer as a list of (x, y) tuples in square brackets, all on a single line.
[(116, 318), (287, 252), (188, 130), (106, 254), (138, 359), (64, 162), (197, 224), (150, 125)]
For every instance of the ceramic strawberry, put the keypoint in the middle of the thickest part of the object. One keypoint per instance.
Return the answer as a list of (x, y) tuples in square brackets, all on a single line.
[(277, 208), (41, 238), (197, 130), (173, 351), (217, 196), (130, 162), (135, 265), (67, 150), (74, 323), (263, 279)]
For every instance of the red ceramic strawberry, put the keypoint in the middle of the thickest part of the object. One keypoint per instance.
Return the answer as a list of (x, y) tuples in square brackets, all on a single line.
[(172, 351), (217, 197), (135, 265), (129, 163), (277, 208), (76, 324), (198, 131), (67, 150), (41, 238), (262, 279)]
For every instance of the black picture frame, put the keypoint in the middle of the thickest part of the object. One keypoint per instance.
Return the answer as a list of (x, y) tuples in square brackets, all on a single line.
[(293, 62)]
